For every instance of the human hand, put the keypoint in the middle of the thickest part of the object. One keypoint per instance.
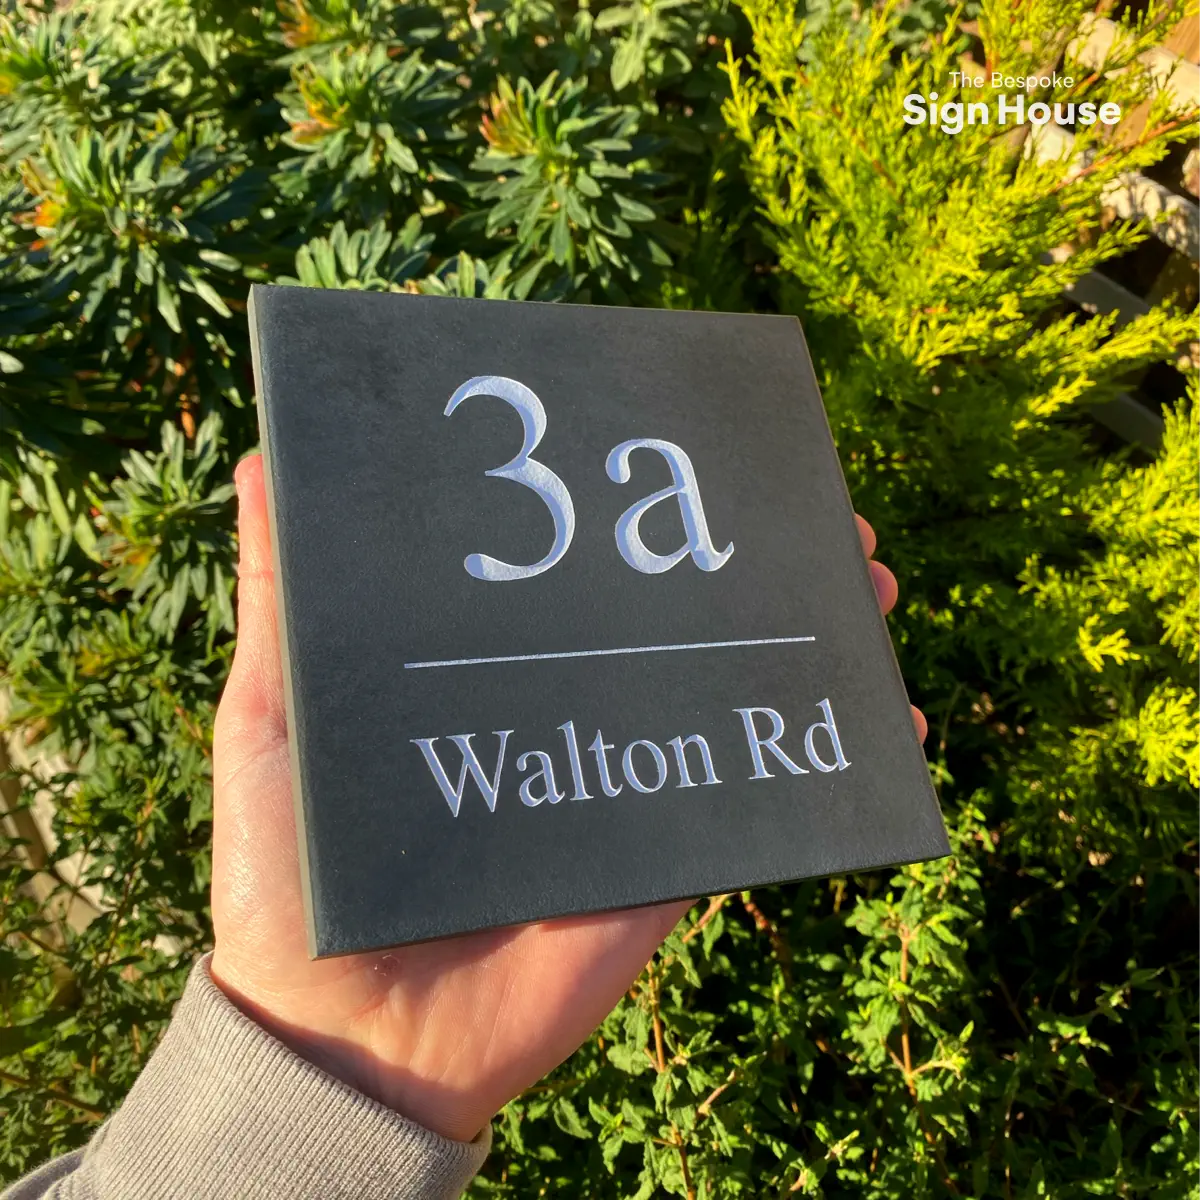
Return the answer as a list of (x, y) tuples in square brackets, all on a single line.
[(444, 1032)]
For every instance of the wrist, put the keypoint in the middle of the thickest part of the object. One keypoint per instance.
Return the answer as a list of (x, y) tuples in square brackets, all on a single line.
[(444, 1110)]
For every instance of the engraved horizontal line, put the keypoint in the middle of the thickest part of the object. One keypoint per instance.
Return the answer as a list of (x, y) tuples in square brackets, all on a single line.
[(512, 658)]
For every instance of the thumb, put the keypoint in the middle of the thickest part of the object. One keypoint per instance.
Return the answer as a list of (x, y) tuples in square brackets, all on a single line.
[(250, 718), (256, 901)]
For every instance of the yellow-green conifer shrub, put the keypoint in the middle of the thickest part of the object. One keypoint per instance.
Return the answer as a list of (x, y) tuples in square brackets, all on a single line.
[(1049, 605), (1132, 611), (1149, 520)]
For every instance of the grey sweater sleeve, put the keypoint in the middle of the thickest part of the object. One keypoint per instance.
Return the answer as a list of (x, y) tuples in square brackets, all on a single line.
[(224, 1111)]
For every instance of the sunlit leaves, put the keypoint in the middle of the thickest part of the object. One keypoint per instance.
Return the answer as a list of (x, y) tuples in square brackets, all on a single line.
[(166, 531), (372, 126), (568, 172), (654, 30), (369, 259)]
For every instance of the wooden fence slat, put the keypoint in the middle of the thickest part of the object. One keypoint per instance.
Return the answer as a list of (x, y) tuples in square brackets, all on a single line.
[(1130, 421), (1174, 220), (1096, 293), (1178, 75)]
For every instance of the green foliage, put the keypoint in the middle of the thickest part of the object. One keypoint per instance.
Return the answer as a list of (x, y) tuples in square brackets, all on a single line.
[(1012, 1022), (372, 128), (568, 173), (124, 692), (371, 259), (656, 29)]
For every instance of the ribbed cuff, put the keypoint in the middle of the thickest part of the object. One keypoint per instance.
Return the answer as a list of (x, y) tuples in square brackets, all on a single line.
[(224, 1111)]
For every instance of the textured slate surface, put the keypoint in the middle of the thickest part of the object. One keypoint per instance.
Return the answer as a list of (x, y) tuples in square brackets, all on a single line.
[(378, 497)]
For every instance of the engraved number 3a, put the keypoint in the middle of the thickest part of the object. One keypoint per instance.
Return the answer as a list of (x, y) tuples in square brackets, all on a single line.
[(554, 494)]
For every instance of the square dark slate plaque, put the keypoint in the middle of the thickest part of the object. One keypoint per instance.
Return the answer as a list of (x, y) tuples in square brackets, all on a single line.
[(574, 614)]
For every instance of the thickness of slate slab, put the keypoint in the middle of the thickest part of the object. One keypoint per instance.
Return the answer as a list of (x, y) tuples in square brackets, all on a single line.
[(518, 686)]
